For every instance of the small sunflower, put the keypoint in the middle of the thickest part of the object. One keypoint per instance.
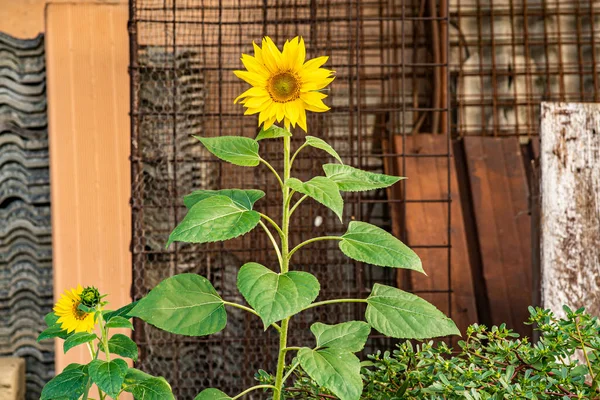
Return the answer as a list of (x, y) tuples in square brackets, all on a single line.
[(284, 86), (70, 317)]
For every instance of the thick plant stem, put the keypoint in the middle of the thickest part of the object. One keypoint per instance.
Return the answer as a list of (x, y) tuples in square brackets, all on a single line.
[(285, 224)]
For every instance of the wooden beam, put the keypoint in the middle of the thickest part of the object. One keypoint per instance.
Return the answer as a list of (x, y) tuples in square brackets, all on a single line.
[(570, 206), (87, 55)]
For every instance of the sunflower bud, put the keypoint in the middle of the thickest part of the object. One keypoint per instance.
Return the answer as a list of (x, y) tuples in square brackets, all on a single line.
[(90, 297)]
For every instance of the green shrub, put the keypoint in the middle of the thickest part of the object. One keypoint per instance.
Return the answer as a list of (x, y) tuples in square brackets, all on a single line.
[(489, 364)]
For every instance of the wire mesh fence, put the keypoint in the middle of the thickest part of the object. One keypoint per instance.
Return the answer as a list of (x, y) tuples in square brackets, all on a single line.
[(391, 80), (509, 55)]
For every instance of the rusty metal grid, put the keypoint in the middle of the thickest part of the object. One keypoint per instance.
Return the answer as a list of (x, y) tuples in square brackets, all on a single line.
[(509, 55), (392, 79)]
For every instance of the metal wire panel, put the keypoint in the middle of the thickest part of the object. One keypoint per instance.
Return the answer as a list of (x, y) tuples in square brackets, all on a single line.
[(509, 55), (183, 54)]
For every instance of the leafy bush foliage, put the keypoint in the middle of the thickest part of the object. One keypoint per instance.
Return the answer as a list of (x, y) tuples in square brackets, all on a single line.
[(489, 364)]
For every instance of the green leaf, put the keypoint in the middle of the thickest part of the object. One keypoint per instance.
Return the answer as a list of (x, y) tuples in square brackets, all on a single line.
[(108, 375), (121, 312), (51, 319), (55, 331), (119, 322), (185, 304), (214, 219), (86, 309), (336, 370), (323, 145), (70, 384), (154, 388), (349, 336), (212, 394), (350, 179), (237, 150), (243, 198), (276, 296), (321, 189), (123, 346), (133, 377), (78, 338), (274, 132), (403, 315), (371, 244)]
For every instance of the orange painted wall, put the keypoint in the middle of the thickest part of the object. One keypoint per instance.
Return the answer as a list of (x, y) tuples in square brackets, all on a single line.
[(87, 54)]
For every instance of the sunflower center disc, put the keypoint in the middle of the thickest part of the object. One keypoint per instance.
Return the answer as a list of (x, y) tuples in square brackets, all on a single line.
[(284, 87)]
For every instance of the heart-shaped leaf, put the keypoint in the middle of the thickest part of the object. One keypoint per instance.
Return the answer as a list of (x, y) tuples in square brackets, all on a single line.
[(154, 388), (323, 145), (371, 244), (121, 312), (51, 319), (276, 296), (212, 394), (76, 339), (122, 345), (108, 375), (243, 198), (334, 369), (350, 179), (53, 332), (214, 219), (403, 315), (321, 189), (237, 150), (119, 322), (185, 304), (349, 336), (69, 384), (274, 132)]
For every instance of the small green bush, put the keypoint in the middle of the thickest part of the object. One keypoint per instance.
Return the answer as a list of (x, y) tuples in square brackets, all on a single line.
[(489, 364)]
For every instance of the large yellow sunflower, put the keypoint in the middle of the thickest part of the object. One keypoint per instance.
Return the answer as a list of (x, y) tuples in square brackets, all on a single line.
[(69, 316), (284, 86)]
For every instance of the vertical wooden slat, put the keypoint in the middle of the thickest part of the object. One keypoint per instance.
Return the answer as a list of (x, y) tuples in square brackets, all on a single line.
[(427, 225), (500, 200), (570, 206), (88, 102)]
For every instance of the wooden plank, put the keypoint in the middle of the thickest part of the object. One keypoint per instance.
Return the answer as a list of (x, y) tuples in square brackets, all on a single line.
[(500, 200), (427, 225), (88, 103), (570, 206)]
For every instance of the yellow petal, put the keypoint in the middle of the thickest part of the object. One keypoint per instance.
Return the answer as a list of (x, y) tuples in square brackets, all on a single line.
[(314, 99), (301, 53), (252, 92), (253, 65), (251, 78), (280, 111), (268, 123), (315, 85), (302, 120), (315, 63), (271, 55), (292, 110)]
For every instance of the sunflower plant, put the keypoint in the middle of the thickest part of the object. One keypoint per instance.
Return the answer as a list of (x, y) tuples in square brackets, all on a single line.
[(80, 318), (284, 85)]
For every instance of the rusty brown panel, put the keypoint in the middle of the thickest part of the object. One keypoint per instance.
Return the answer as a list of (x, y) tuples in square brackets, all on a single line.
[(500, 200), (427, 228), (88, 102)]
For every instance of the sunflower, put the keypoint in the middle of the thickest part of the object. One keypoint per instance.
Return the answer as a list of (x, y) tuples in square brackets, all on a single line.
[(284, 86), (70, 317)]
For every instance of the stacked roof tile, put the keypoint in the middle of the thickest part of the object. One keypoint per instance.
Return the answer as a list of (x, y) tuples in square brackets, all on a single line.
[(25, 233)]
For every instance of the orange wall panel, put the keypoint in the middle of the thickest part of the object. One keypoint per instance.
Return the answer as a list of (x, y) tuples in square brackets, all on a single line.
[(87, 55)]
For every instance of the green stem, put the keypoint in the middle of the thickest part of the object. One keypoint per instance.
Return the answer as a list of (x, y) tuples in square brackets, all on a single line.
[(296, 153), (290, 371), (295, 249), (104, 333), (252, 389), (587, 360), (273, 223), (285, 222), (273, 171), (336, 301), (275, 246), (251, 311), (292, 348), (297, 204)]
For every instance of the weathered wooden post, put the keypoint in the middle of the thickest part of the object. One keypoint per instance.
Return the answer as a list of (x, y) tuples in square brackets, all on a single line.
[(570, 206)]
